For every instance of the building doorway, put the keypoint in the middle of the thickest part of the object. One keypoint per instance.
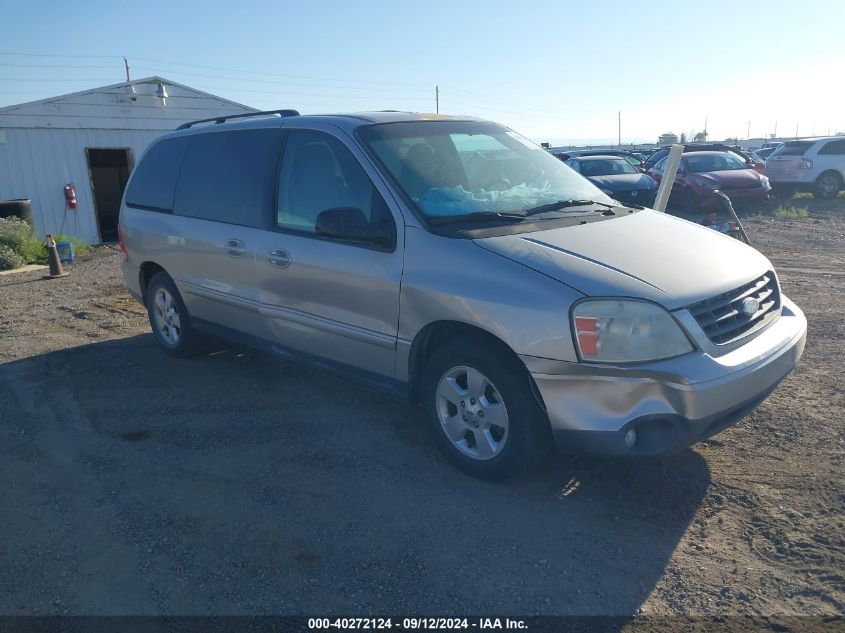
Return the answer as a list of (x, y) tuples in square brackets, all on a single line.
[(109, 169)]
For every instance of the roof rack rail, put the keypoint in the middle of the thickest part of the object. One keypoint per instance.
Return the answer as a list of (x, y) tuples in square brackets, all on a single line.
[(223, 119)]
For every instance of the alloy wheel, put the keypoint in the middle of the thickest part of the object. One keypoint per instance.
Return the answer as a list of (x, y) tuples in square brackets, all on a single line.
[(829, 186), (472, 413), (166, 316)]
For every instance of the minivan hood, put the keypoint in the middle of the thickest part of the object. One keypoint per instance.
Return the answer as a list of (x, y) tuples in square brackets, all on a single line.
[(647, 254)]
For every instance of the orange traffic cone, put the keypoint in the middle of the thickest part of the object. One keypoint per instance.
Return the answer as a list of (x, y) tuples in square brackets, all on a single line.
[(56, 269)]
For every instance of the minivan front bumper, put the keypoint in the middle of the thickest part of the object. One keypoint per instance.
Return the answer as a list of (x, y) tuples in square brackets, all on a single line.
[(661, 407)]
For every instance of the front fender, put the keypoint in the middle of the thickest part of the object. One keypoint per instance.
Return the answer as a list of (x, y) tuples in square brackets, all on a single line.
[(449, 279)]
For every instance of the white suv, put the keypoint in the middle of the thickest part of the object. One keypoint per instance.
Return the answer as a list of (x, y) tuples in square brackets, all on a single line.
[(814, 164)]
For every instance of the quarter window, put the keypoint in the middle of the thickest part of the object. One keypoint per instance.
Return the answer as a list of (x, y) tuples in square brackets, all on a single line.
[(322, 185), (836, 148), (154, 180)]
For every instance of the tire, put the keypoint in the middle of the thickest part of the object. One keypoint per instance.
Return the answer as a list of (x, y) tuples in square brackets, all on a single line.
[(169, 318), (828, 185), (469, 367)]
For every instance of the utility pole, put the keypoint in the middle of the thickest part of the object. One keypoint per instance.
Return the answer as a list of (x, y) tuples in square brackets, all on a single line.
[(437, 99), (748, 133), (796, 130), (776, 130), (619, 144), (705, 129), (126, 65)]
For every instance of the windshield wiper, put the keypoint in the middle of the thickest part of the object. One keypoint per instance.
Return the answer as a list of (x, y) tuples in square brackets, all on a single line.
[(563, 204), (476, 216)]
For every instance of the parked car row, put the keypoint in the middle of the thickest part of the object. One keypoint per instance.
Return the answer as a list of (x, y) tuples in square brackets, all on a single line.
[(815, 165)]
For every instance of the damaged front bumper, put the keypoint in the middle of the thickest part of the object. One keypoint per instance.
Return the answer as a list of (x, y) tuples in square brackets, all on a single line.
[(660, 407)]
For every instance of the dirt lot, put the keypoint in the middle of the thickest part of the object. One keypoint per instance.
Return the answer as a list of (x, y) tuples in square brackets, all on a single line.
[(131, 482)]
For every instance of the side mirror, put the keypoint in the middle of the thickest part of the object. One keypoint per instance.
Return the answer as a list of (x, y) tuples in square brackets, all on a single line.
[(350, 225)]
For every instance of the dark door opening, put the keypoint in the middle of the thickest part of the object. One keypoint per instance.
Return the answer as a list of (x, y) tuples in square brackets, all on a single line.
[(109, 170)]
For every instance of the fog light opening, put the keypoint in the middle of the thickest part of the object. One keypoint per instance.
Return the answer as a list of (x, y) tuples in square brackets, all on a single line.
[(631, 438)]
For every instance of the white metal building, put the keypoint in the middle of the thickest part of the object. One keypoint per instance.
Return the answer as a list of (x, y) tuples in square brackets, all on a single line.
[(91, 140)]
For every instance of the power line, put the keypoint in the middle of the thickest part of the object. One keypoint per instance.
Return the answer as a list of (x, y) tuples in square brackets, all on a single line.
[(223, 88), (255, 72), (43, 79), (506, 102), (265, 81), (5, 65), (59, 55), (222, 69)]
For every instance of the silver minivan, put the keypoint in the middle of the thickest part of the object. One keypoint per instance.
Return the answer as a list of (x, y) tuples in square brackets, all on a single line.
[(457, 263)]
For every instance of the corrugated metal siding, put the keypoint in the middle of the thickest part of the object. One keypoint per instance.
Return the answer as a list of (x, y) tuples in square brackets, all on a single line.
[(45, 144), (37, 164)]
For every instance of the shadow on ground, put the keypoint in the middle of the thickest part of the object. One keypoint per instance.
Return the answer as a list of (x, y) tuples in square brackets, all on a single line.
[(232, 483)]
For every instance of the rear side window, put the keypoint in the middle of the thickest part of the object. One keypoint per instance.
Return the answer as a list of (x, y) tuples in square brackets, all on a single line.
[(836, 148), (154, 180), (793, 148), (230, 177)]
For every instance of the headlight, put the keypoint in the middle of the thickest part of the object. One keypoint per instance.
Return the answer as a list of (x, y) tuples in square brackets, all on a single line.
[(712, 186), (626, 331), (764, 182)]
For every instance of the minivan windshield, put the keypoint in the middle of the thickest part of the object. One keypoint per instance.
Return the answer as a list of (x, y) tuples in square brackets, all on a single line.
[(477, 169)]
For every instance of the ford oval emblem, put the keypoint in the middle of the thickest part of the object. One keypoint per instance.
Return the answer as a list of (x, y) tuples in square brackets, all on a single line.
[(750, 305)]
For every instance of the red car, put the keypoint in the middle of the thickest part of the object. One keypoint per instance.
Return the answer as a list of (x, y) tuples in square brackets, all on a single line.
[(700, 174)]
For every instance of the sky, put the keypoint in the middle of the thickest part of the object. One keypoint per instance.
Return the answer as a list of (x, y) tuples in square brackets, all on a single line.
[(556, 71)]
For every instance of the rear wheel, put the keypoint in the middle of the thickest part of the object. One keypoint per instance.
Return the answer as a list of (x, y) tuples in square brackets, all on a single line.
[(828, 185), (169, 317), (481, 410)]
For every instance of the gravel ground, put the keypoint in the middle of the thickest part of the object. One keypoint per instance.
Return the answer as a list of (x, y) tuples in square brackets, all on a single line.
[(232, 483)]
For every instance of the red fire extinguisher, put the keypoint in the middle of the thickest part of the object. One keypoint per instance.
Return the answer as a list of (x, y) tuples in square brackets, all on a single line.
[(70, 196)]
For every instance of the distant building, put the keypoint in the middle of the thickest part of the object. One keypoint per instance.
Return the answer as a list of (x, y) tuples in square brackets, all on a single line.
[(667, 138), (91, 140)]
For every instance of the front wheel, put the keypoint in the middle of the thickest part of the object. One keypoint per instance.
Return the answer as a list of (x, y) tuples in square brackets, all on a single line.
[(481, 410)]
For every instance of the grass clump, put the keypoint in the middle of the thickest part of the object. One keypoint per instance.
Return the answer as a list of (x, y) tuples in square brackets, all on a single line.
[(19, 246), (17, 237), (79, 247), (791, 213)]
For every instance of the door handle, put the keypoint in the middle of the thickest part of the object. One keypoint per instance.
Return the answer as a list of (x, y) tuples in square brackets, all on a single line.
[(235, 248), (279, 258)]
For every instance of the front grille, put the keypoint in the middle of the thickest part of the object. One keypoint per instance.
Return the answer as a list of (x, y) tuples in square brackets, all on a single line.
[(722, 317)]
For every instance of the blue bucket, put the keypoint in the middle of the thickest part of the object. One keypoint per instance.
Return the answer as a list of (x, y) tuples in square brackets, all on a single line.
[(65, 250)]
